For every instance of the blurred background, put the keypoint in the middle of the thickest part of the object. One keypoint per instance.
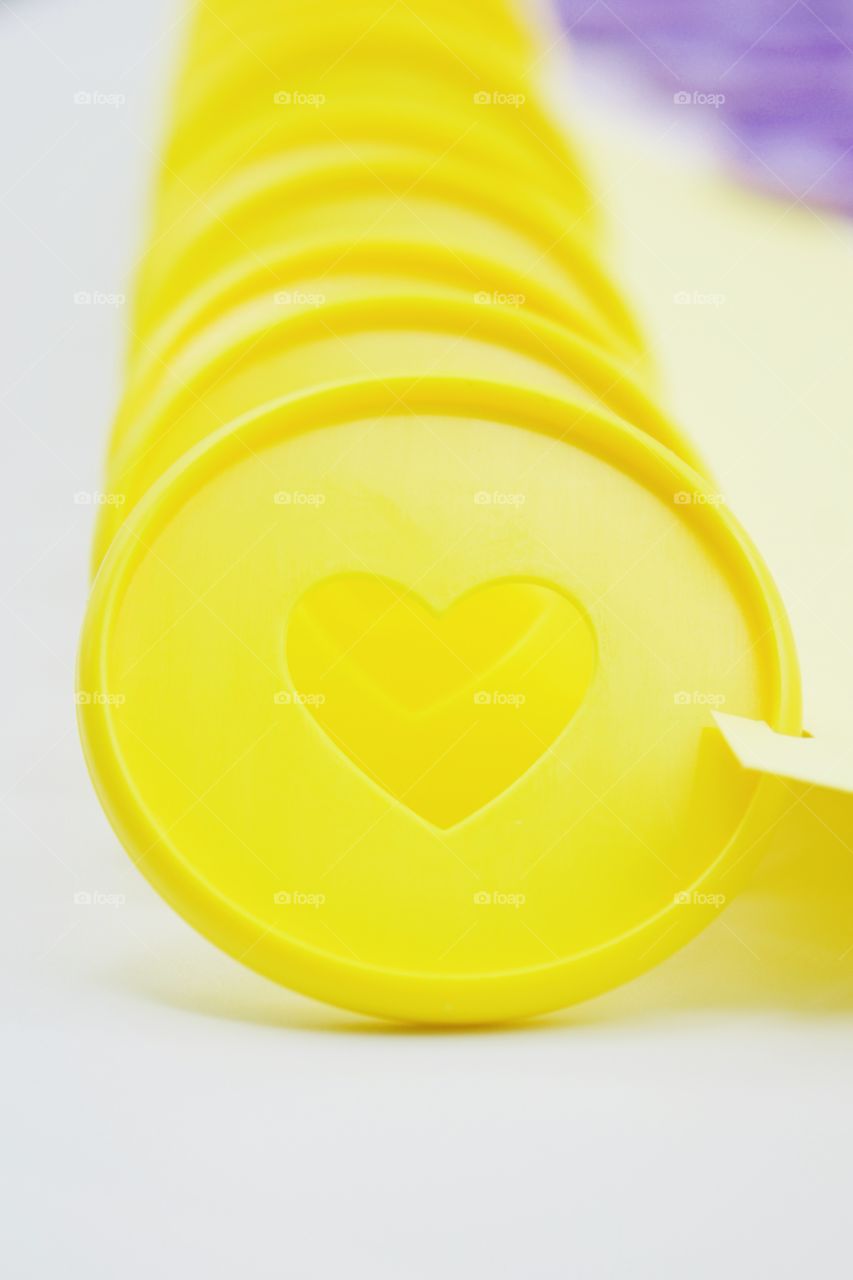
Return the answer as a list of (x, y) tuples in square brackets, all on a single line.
[(776, 79)]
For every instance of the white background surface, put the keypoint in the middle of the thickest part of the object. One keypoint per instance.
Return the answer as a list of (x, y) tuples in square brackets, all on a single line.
[(166, 1112)]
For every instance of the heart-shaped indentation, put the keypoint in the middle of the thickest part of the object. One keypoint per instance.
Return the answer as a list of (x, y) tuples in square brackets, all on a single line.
[(444, 710)]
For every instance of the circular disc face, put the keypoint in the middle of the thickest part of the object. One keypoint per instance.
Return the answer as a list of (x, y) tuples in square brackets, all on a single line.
[(412, 710)]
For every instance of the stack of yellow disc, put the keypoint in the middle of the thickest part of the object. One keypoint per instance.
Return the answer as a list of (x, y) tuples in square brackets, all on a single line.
[(338, 175), (407, 572)]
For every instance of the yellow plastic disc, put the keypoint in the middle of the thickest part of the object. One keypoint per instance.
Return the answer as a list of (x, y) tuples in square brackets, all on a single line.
[(310, 266), (336, 331), (475, 134), (407, 703), (290, 196), (317, 63)]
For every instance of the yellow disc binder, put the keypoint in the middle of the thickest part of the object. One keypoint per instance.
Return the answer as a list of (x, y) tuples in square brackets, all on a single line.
[(409, 629)]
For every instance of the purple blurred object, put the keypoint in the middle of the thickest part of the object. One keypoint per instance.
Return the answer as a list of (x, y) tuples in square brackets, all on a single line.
[(780, 75)]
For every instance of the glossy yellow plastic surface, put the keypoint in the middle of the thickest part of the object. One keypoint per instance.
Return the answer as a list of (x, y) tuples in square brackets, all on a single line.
[(439, 201), (413, 607), (414, 735)]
